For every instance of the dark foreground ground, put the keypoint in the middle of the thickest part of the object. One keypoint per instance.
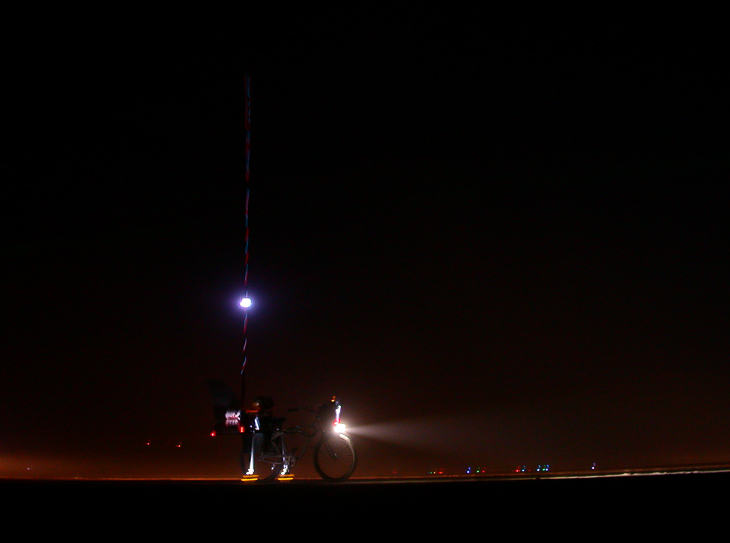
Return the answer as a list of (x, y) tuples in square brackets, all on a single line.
[(653, 505)]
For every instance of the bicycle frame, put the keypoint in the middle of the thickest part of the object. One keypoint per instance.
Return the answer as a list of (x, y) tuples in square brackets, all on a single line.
[(286, 457)]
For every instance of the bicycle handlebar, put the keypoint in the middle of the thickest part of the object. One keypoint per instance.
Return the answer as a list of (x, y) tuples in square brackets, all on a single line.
[(307, 409), (315, 410)]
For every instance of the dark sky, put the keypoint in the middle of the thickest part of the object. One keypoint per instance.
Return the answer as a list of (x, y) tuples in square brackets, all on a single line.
[(499, 237)]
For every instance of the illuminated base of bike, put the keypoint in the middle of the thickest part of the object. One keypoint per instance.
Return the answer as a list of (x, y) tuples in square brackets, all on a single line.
[(255, 479), (284, 475)]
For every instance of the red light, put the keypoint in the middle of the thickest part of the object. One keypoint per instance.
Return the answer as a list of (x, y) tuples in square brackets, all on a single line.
[(241, 429), (212, 434)]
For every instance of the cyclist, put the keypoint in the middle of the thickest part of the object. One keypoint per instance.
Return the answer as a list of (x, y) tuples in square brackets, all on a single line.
[(259, 426)]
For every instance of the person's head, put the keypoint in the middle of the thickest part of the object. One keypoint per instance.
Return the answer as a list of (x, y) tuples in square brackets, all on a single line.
[(262, 403)]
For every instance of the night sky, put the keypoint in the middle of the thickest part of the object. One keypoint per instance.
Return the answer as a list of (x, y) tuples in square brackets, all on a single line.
[(500, 238)]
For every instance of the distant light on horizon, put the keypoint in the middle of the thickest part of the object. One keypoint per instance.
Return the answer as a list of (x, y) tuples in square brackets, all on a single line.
[(245, 302)]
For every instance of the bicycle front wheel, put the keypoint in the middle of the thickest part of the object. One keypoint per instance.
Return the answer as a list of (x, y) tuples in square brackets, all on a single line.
[(334, 457)]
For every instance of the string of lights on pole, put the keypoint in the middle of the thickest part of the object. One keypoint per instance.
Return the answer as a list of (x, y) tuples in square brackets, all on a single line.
[(246, 301)]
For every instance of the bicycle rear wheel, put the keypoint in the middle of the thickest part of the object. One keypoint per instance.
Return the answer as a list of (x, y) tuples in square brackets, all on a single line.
[(334, 457), (267, 462)]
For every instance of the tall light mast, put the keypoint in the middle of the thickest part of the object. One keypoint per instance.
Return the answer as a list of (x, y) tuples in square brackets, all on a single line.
[(246, 301)]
